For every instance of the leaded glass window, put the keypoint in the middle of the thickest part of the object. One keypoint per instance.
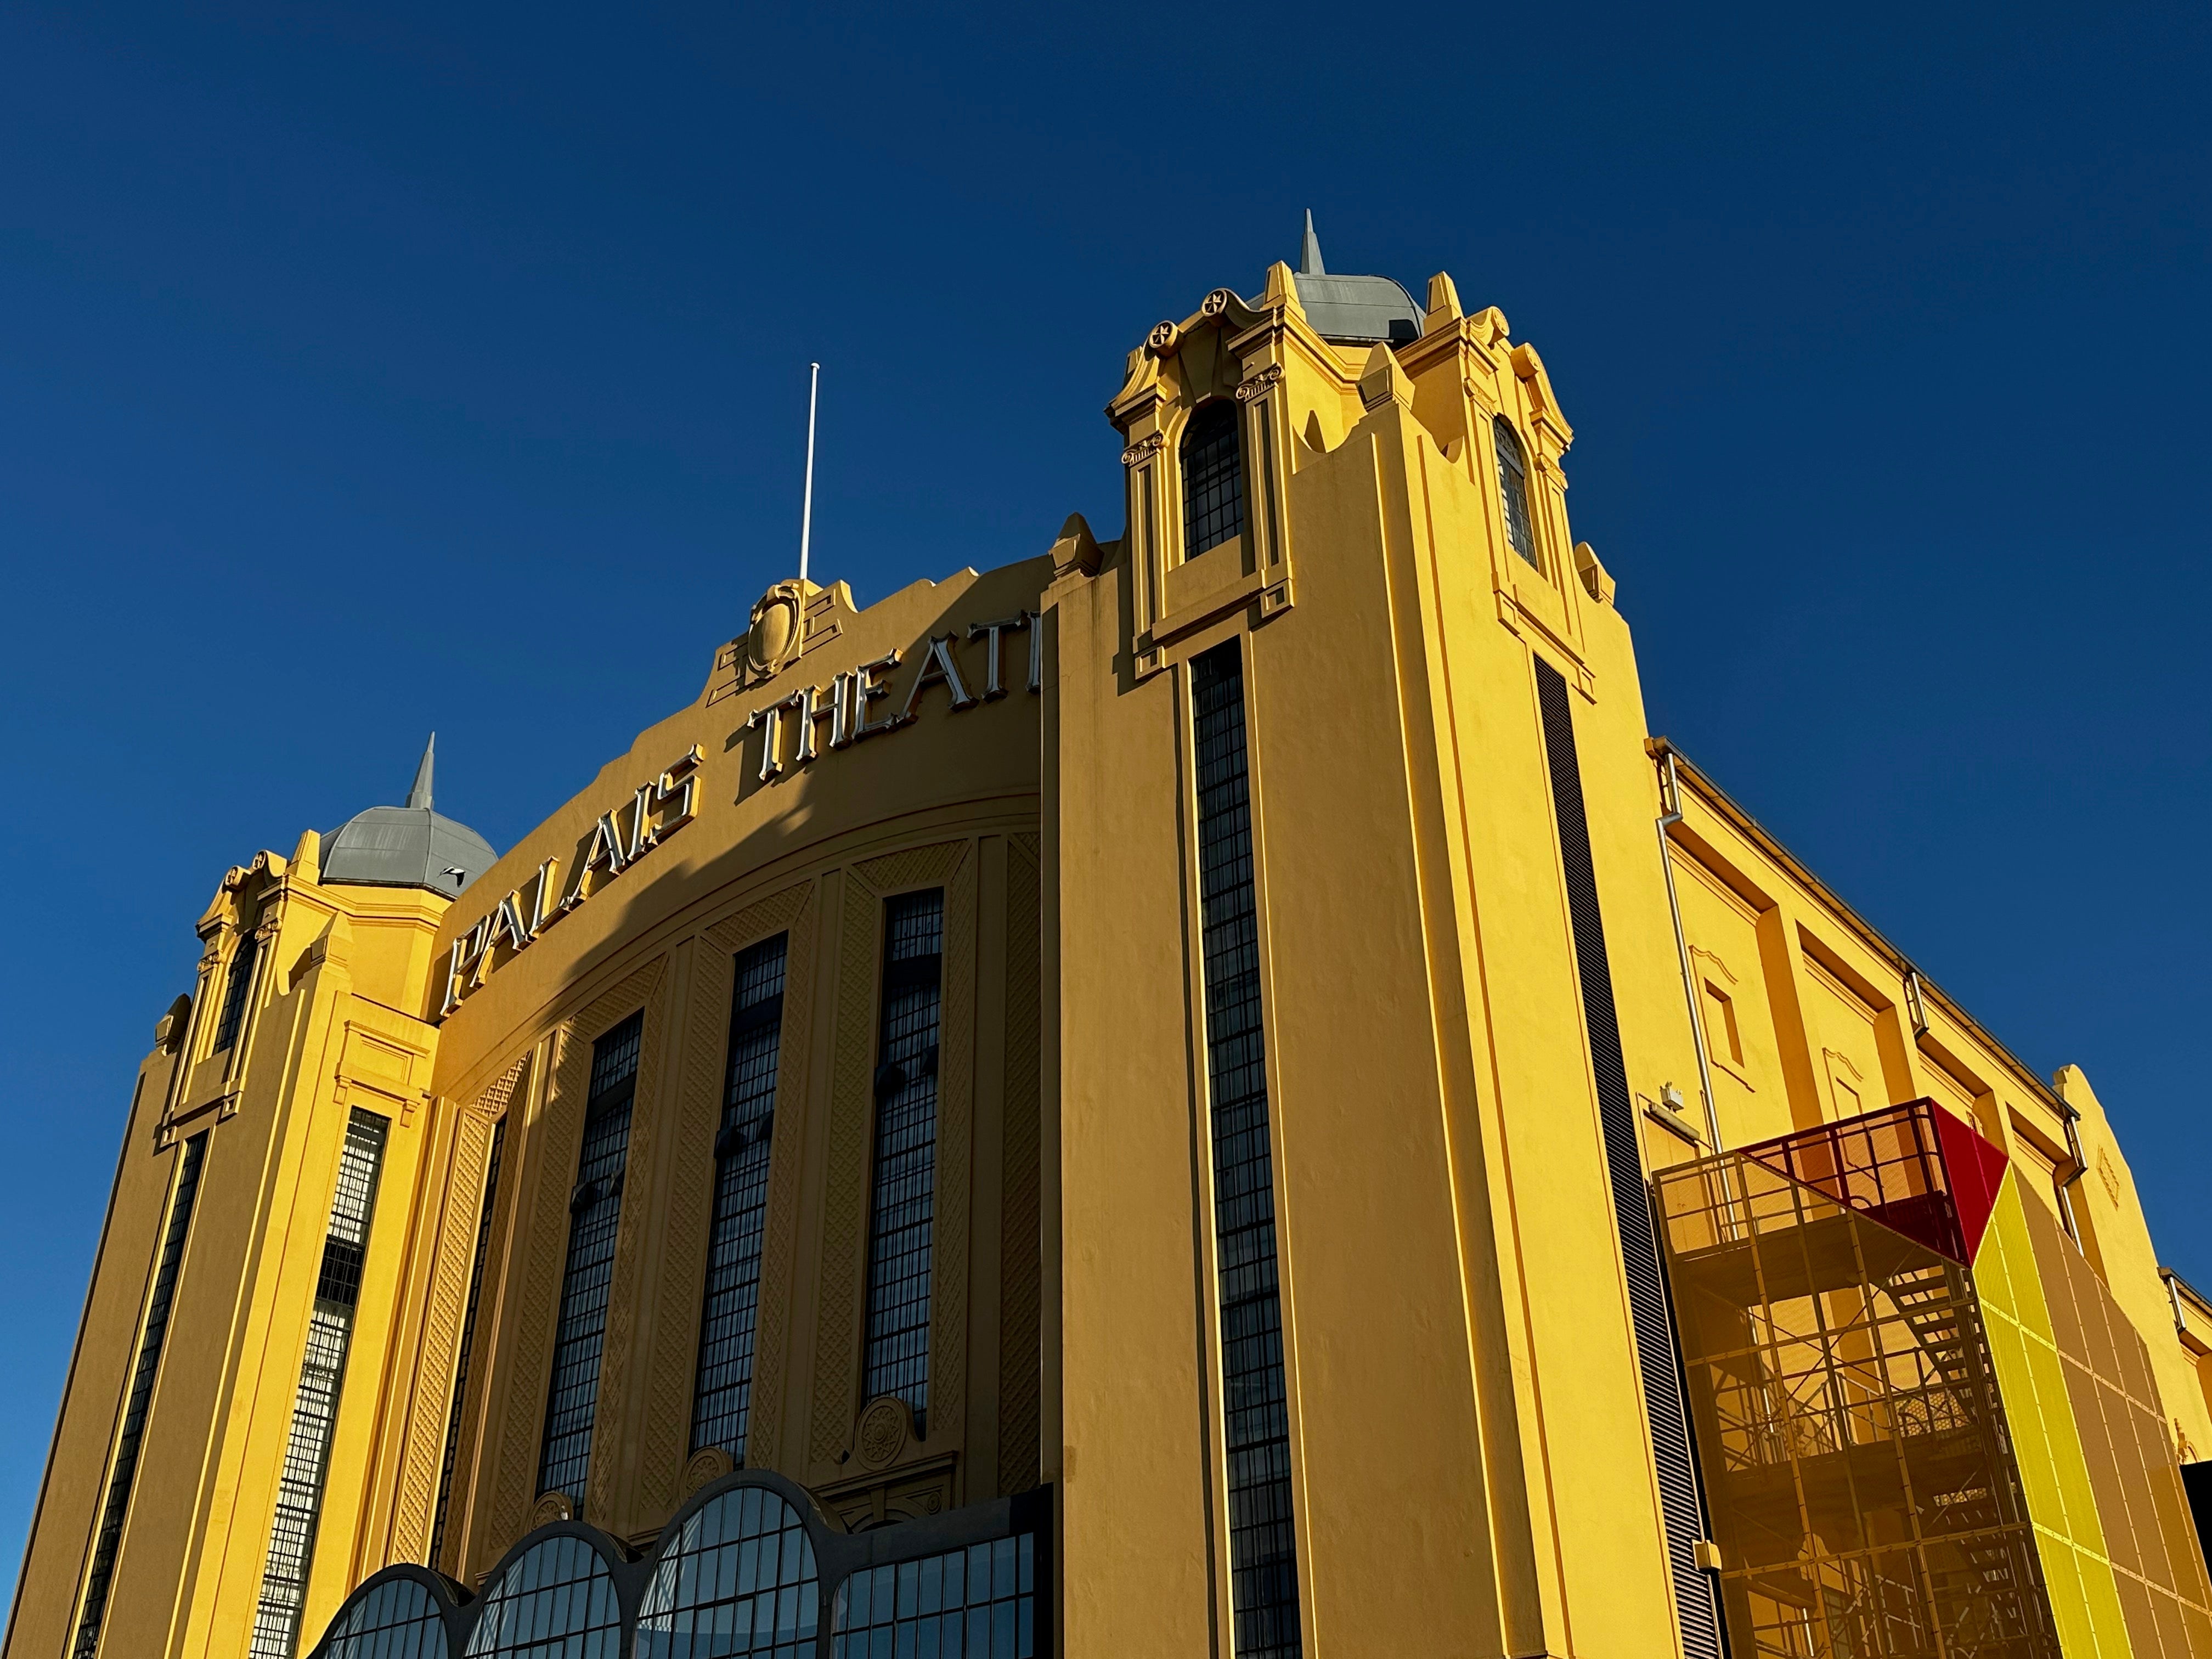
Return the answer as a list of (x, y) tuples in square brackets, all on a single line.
[(738, 1580), (976, 1603), (124, 1471), (722, 1402), (555, 1601), (237, 989), (1262, 1535), (396, 1619), (467, 1343), (587, 1275), (315, 1403), (1513, 488), (1212, 478), (903, 1204)]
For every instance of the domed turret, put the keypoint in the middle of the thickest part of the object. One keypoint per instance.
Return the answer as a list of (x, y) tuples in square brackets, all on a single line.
[(408, 846), (1353, 310)]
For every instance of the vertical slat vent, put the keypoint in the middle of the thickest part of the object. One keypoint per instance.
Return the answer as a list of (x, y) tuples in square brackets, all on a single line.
[(467, 1344), (1681, 1508)]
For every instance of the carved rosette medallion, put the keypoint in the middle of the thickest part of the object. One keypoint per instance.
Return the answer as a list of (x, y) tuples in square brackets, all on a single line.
[(711, 1464), (551, 1507), (1162, 338), (884, 1428), (1217, 302), (777, 633)]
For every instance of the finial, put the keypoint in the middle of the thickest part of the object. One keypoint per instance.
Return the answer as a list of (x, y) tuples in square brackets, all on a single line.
[(1309, 263), (420, 794)]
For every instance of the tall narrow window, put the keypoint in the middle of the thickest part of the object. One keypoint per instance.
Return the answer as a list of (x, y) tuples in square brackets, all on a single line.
[(1651, 1319), (905, 1202), (315, 1405), (1212, 478), (238, 988), (721, 1402), (1262, 1537), (594, 1212), (109, 1539), (1513, 490), (467, 1343)]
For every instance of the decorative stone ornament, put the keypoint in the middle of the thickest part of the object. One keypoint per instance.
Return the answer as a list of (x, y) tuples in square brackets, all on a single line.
[(1163, 339), (886, 1427), (551, 1507), (711, 1464), (778, 631)]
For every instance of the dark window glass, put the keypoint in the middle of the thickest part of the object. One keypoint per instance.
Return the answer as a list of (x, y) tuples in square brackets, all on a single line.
[(900, 1216), (976, 1603), (555, 1601), (1212, 478), (721, 1402), (398, 1619), (594, 1213), (738, 1580), (1513, 490), (236, 988), (468, 1342), (105, 1542), (1262, 1541), (315, 1404)]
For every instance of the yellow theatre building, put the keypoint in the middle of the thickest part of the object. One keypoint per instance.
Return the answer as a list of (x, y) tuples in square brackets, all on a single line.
[(1212, 1093)]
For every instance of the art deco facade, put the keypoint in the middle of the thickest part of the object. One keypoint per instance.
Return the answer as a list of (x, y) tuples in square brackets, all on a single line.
[(1211, 1093)]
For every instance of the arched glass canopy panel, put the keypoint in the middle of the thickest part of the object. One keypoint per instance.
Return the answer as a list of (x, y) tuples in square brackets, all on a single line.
[(398, 1618), (738, 1581), (555, 1601)]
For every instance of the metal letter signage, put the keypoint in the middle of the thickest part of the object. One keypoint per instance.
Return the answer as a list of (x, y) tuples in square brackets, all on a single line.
[(657, 811)]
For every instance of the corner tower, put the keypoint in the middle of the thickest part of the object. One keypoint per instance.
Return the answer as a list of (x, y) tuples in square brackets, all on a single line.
[(1349, 634), (222, 1414)]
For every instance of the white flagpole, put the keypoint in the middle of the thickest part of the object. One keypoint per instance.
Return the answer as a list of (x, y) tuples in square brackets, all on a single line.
[(807, 514)]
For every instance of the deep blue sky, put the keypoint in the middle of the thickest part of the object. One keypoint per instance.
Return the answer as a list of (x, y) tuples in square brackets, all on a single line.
[(369, 368)]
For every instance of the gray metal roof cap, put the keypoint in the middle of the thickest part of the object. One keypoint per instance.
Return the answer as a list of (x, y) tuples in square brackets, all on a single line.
[(1353, 309), (406, 847), (1360, 308)]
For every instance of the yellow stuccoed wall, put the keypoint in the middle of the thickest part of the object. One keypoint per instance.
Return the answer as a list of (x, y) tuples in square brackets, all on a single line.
[(1470, 1457)]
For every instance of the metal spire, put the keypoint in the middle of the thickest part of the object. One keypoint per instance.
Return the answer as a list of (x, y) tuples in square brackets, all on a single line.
[(420, 794), (1309, 263)]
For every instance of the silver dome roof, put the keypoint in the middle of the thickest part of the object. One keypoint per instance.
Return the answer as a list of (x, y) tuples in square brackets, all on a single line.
[(1355, 310), (408, 846)]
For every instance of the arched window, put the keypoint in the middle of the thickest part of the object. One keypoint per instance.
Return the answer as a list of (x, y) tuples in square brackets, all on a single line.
[(556, 1598), (1212, 478), (396, 1619), (1513, 490), (739, 1572)]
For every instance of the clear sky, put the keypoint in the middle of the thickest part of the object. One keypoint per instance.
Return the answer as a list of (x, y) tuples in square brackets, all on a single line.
[(366, 368)]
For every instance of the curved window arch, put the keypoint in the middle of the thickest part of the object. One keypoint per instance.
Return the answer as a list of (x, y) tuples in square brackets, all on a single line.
[(398, 1618), (1513, 490), (1213, 477), (737, 1579), (555, 1601)]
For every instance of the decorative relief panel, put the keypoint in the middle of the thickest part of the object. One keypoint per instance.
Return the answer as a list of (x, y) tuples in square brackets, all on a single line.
[(444, 1303), (845, 1207), (1020, 1252), (540, 1246), (697, 1115)]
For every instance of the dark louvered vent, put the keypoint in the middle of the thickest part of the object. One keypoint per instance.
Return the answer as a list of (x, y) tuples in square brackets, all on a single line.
[(1680, 1506)]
